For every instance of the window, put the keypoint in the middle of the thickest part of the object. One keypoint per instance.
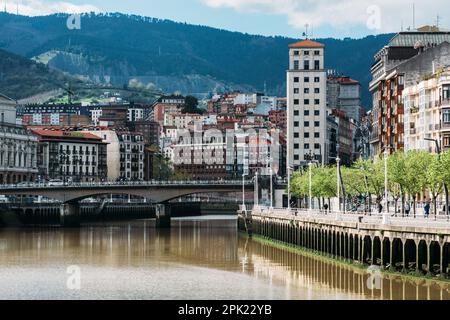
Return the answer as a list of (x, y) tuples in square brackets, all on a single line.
[(446, 92), (296, 101), (446, 116), (296, 157), (306, 146), (316, 123), (316, 52), (306, 101), (296, 146), (296, 113), (316, 135), (317, 112), (306, 135), (316, 90), (296, 90), (296, 79), (316, 101), (306, 53), (306, 113), (316, 146), (306, 64), (296, 124), (306, 79), (306, 124), (316, 79), (316, 65), (296, 135), (296, 52), (296, 64), (306, 90)]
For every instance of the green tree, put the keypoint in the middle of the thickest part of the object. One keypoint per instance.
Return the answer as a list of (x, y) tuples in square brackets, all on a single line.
[(397, 177), (415, 174), (434, 177)]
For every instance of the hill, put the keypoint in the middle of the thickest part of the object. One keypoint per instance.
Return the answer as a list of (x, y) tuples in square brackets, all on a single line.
[(116, 48)]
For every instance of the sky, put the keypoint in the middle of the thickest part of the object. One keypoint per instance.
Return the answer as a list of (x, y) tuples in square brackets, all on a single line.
[(292, 18)]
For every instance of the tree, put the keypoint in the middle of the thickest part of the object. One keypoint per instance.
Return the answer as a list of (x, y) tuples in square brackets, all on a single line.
[(415, 174), (434, 177), (445, 163), (397, 178), (191, 105)]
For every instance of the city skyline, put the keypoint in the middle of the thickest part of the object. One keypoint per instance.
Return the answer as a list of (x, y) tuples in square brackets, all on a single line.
[(291, 18)]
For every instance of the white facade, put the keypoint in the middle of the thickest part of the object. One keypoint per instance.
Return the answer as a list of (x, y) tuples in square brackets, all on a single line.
[(246, 98), (427, 113), (113, 151), (306, 98)]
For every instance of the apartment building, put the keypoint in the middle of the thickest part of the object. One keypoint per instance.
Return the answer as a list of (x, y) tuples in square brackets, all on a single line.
[(427, 112), (306, 104)]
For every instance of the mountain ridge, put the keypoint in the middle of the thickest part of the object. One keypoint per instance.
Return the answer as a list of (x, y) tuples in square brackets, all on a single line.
[(122, 47)]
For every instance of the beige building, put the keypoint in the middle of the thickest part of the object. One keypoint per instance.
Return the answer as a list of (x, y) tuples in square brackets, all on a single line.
[(427, 112), (307, 109)]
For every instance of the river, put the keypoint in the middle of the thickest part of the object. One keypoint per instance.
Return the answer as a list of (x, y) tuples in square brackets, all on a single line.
[(199, 258)]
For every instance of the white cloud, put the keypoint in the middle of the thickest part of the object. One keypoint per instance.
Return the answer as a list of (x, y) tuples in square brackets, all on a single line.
[(41, 7), (342, 13)]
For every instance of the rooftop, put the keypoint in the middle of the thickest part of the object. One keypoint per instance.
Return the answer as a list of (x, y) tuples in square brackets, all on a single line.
[(413, 38), (307, 44), (60, 134)]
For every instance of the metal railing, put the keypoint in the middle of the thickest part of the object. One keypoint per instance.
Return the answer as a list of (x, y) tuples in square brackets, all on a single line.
[(26, 185), (433, 221)]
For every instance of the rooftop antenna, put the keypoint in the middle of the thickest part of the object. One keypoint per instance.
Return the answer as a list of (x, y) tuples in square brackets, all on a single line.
[(438, 18), (305, 34)]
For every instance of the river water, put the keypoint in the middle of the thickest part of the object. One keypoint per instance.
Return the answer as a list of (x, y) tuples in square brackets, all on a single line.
[(199, 258)]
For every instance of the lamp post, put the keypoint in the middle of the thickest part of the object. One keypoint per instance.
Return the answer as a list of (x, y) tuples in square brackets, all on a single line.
[(439, 152), (386, 191), (338, 186), (289, 187), (243, 178), (310, 185)]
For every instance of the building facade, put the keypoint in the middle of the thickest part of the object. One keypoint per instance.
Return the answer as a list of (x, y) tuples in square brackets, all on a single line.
[(427, 113), (18, 147), (403, 61), (306, 98), (70, 156)]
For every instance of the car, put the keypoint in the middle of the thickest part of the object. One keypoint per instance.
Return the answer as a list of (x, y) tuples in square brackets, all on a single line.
[(55, 183), (4, 199)]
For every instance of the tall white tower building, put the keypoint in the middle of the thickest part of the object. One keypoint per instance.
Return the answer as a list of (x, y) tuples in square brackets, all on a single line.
[(307, 106)]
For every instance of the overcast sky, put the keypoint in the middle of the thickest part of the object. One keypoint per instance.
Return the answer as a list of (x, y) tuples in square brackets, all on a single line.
[(325, 18)]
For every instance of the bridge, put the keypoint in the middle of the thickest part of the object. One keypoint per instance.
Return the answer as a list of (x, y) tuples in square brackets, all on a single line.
[(158, 192)]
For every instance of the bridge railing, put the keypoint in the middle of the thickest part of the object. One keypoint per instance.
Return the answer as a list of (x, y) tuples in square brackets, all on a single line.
[(373, 218), (27, 185)]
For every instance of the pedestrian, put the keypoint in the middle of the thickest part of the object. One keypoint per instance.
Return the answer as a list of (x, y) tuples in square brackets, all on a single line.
[(326, 208), (427, 209), (407, 209), (380, 207)]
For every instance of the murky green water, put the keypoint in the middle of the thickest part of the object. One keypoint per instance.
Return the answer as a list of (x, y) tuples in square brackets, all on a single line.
[(202, 258)]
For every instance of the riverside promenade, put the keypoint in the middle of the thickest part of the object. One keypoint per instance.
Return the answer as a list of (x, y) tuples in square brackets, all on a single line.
[(417, 246)]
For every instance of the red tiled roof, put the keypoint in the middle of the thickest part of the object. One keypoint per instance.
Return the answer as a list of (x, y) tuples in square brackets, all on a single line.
[(307, 44), (45, 133)]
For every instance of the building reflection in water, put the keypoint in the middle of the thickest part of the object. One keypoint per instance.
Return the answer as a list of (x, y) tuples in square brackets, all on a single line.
[(213, 244)]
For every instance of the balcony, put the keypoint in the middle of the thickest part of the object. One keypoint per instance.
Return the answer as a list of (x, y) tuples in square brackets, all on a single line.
[(412, 131)]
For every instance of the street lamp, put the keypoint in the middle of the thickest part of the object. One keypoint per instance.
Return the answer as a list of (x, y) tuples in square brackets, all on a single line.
[(289, 168), (310, 185), (386, 187), (439, 152), (338, 163)]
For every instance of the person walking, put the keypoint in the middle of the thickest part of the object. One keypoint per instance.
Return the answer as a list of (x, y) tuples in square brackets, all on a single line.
[(407, 209), (427, 208), (326, 208)]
